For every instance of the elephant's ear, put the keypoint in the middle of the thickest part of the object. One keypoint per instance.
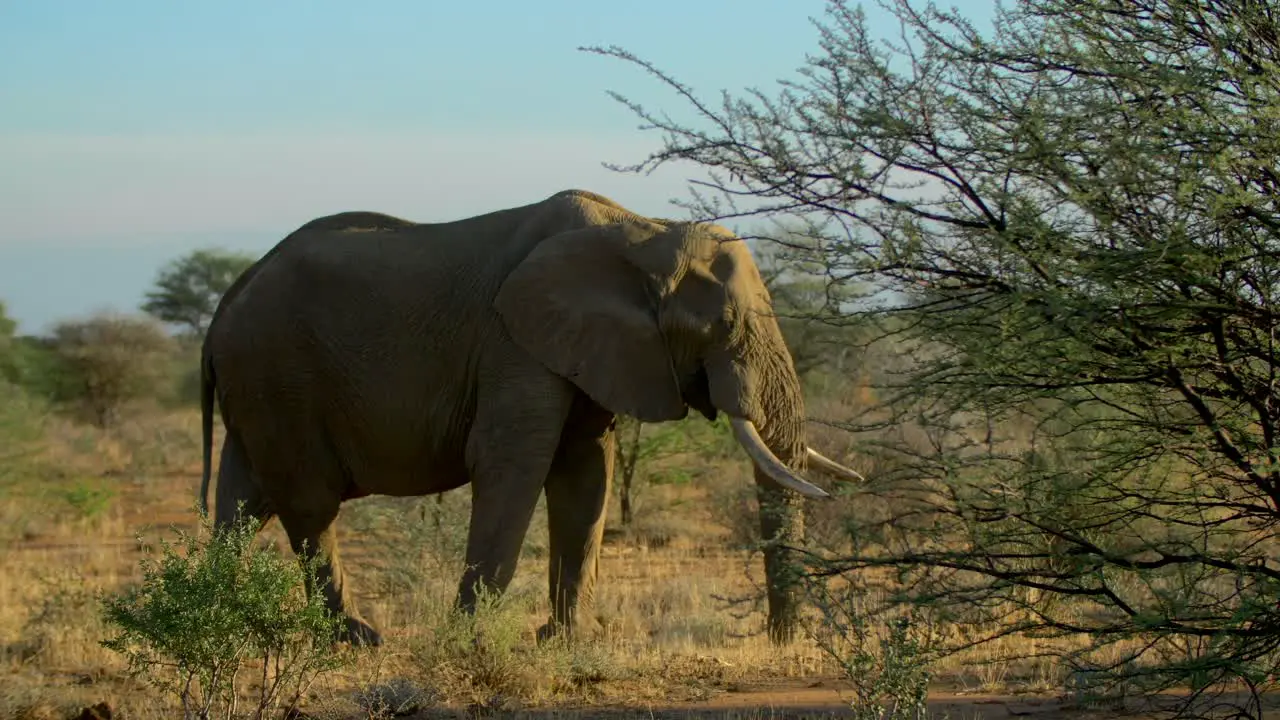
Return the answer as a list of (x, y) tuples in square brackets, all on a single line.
[(583, 309)]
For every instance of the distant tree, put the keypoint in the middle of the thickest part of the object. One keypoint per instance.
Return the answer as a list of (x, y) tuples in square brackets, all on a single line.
[(107, 360), (8, 351), (7, 324), (34, 366), (188, 289)]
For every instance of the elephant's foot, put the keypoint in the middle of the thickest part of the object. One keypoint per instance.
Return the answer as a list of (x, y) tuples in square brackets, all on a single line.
[(549, 629), (580, 629), (358, 633)]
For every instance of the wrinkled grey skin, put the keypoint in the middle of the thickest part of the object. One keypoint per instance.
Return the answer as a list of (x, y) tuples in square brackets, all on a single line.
[(365, 354)]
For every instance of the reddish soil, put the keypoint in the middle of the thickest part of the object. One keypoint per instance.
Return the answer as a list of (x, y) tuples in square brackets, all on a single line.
[(814, 698)]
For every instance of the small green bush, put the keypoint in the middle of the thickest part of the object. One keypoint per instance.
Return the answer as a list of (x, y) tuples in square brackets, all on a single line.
[(223, 617), (887, 659), (88, 498), (22, 420)]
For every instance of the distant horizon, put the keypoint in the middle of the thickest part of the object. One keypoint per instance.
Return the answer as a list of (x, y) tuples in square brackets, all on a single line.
[(137, 131)]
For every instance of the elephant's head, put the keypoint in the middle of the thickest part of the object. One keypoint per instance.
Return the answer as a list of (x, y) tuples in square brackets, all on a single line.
[(650, 319)]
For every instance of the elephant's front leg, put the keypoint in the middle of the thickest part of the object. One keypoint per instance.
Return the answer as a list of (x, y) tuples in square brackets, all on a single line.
[(509, 453), (577, 493)]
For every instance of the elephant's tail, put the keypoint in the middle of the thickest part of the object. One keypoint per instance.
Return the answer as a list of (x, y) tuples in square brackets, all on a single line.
[(207, 383)]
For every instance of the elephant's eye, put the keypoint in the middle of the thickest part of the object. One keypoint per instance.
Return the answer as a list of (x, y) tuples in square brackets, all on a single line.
[(729, 317), (705, 301)]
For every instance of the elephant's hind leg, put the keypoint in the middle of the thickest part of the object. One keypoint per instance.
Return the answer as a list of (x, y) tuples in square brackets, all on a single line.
[(238, 493), (311, 534), (309, 524), (307, 494)]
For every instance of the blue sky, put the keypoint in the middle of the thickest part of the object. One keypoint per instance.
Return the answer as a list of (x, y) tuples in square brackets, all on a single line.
[(133, 131)]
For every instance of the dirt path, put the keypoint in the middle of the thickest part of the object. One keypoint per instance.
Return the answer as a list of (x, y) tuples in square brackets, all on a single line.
[(807, 699), (814, 698), (811, 699), (827, 698)]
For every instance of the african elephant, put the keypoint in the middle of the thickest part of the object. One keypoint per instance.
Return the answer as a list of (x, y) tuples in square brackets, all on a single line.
[(365, 354)]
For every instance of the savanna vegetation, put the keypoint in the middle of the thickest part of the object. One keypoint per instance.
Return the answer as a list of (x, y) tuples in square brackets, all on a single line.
[(1028, 277)]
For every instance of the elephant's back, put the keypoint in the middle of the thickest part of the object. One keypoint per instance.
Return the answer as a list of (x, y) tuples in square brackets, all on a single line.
[(373, 334), (375, 328), (356, 221)]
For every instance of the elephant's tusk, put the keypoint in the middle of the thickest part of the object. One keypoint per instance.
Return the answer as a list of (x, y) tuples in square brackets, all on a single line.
[(744, 431), (822, 462)]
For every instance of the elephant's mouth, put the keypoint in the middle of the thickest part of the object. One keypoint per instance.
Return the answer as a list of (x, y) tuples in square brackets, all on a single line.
[(697, 394)]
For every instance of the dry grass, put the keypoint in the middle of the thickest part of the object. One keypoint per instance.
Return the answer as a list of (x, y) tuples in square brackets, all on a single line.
[(671, 637)]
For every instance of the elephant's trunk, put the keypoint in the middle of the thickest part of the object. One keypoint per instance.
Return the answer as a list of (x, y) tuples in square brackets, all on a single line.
[(755, 384), (781, 512)]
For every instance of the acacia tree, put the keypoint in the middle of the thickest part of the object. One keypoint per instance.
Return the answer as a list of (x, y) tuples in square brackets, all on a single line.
[(1074, 220), (188, 289)]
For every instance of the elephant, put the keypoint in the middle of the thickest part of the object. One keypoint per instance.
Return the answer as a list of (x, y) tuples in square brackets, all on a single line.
[(365, 354)]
